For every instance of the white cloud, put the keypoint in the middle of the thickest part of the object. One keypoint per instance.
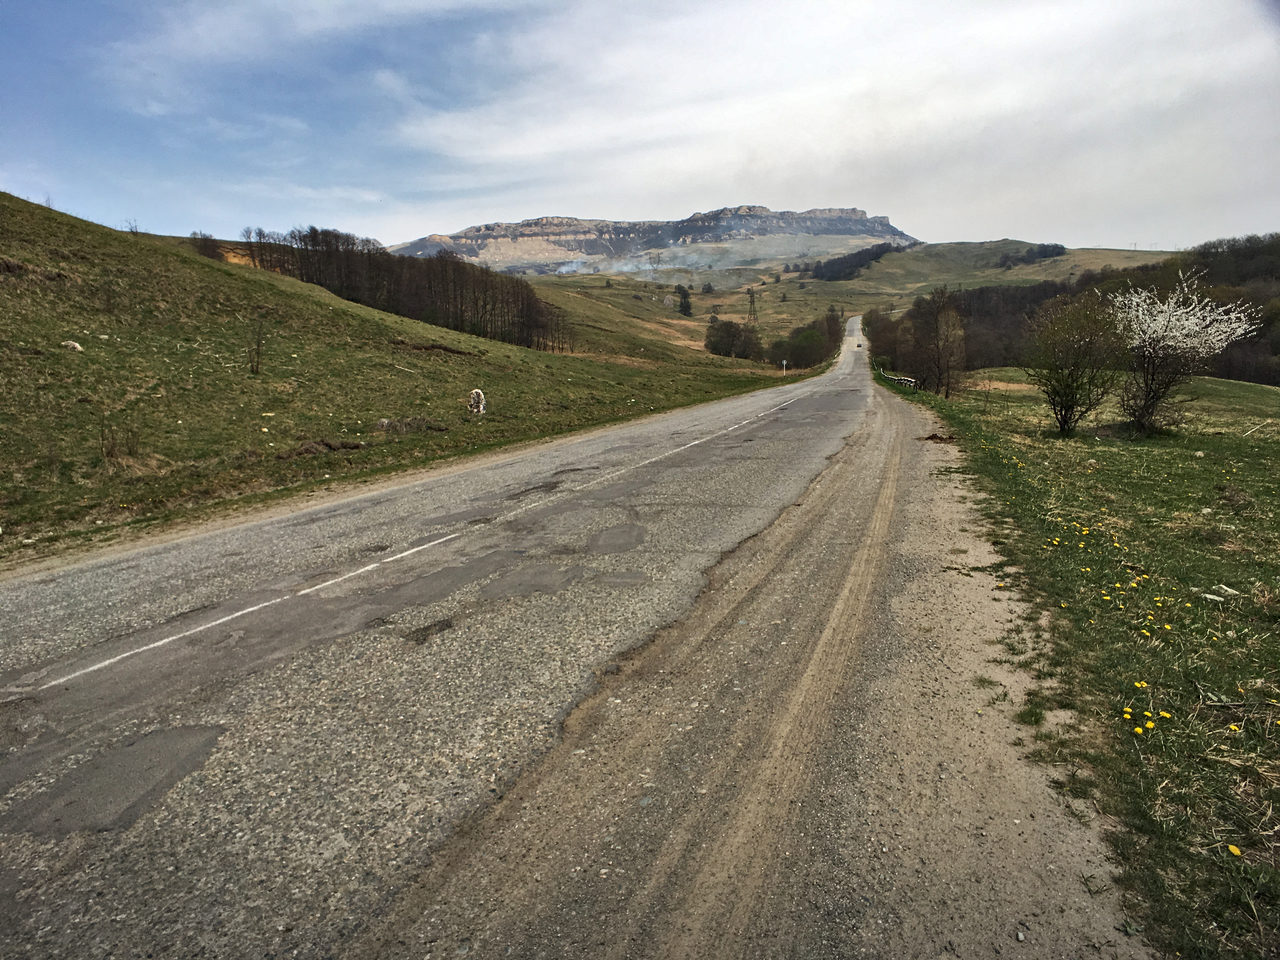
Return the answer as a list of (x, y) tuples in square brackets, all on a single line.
[(981, 108)]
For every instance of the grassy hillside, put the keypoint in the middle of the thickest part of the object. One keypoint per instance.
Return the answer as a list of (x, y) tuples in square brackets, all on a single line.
[(158, 414), (1155, 568)]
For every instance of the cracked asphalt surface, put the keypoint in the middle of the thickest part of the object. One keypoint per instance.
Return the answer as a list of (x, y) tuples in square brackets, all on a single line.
[(623, 694)]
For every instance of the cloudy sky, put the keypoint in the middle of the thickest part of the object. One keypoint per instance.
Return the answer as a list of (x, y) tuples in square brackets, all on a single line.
[(1086, 122)]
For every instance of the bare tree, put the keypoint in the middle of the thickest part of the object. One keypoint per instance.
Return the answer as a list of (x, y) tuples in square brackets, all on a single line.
[(1075, 356)]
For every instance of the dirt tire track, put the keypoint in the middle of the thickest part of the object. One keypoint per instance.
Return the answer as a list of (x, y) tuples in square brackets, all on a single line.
[(731, 878)]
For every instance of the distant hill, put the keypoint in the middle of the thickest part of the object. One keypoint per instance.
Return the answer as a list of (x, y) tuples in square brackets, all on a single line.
[(730, 236)]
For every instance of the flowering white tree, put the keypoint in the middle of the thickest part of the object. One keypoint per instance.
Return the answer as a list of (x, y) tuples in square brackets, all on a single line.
[(1170, 336)]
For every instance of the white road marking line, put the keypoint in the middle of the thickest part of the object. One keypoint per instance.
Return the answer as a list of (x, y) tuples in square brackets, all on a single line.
[(158, 643), (240, 613), (376, 563), (93, 668)]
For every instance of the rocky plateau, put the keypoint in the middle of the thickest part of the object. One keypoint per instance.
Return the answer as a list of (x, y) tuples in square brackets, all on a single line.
[(730, 236)]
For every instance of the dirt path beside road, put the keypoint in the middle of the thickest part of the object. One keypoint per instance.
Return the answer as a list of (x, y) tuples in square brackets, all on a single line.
[(815, 763)]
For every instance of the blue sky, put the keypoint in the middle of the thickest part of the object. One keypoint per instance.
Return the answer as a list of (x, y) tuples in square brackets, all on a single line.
[(1147, 122)]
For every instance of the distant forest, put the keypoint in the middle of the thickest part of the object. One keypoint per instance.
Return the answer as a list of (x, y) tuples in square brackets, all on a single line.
[(995, 320), (1041, 251), (851, 264), (441, 290)]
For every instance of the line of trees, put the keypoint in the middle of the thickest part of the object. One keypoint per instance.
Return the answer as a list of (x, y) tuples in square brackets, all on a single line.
[(811, 344), (1041, 251), (998, 321), (850, 265), (442, 290), (927, 341), (1079, 346), (805, 346)]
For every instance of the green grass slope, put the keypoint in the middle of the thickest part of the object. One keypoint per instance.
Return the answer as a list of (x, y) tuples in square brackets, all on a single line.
[(158, 415)]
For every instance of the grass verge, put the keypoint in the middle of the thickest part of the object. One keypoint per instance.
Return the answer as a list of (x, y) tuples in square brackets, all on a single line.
[(1154, 567)]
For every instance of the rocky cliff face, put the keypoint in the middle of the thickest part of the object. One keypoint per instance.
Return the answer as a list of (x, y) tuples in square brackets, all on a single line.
[(724, 237)]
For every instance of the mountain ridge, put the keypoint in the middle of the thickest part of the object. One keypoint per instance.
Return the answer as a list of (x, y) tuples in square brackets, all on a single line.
[(726, 236)]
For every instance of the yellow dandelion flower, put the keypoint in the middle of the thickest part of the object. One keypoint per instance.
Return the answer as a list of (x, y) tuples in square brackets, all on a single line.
[(1235, 728), (1235, 851), (1166, 715), (1150, 724), (1137, 730), (1146, 713)]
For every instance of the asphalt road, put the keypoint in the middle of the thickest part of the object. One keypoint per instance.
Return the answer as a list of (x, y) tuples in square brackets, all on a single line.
[(253, 742)]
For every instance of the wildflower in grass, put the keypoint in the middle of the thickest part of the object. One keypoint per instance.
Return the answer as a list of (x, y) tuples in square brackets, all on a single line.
[(1235, 851), (1137, 730), (1146, 713), (1150, 724)]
